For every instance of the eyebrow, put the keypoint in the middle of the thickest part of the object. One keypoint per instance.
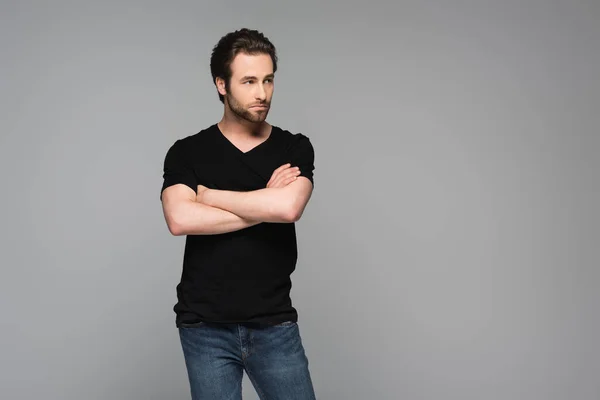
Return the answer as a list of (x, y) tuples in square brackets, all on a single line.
[(270, 76)]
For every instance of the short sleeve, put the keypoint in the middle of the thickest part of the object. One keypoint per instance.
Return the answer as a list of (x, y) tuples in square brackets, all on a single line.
[(177, 169), (303, 156)]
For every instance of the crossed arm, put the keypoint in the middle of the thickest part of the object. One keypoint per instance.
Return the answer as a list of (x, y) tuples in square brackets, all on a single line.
[(213, 211)]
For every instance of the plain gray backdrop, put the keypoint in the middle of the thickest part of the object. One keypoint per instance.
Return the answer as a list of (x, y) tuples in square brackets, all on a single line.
[(451, 247)]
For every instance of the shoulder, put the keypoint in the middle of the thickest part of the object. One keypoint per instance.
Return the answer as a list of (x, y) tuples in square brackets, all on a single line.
[(193, 142), (197, 138), (292, 140), (298, 149), (184, 150)]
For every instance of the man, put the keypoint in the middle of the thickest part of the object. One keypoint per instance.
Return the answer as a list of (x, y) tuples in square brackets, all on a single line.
[(235, 189)]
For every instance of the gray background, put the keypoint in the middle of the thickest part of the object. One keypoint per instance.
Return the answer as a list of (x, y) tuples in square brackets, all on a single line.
[(450, 250)]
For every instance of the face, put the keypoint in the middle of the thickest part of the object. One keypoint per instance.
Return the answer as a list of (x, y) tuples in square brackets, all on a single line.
[(251, 87)]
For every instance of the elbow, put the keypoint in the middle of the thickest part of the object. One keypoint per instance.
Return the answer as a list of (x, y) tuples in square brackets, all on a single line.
[(291, 214), (175, 225), (176, 229), (293, 204)]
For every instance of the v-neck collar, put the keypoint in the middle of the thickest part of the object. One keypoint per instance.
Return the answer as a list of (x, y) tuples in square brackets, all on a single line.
[(230, 144)]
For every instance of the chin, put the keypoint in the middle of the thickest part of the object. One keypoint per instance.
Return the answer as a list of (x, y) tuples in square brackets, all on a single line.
[(259, 117)]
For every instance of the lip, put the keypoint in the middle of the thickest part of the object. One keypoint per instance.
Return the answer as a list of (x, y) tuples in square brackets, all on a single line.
[(259, 107)]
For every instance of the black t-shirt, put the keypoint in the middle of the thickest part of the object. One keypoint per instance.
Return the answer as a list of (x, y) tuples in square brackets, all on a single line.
[(241, 276)]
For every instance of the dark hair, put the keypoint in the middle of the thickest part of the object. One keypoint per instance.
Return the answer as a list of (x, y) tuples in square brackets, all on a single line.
[(246, 41)]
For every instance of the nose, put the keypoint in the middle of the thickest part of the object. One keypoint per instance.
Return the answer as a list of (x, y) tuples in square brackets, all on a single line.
[(261, 93)]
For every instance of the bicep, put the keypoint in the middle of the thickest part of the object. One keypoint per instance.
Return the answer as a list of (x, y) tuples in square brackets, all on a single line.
[(173, 197), (178, 192), (301, 187)]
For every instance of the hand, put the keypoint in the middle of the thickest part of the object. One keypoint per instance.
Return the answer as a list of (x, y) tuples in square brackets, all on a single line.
[(283, 176), (201, 191)]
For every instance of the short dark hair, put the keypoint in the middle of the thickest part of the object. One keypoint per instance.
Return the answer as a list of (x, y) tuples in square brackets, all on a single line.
[(248, 41)]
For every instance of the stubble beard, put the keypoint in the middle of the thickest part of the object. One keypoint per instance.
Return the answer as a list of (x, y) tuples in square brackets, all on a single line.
[(239, 110)]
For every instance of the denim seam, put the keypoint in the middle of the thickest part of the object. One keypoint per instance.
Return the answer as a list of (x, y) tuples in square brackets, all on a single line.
[(241, 344)]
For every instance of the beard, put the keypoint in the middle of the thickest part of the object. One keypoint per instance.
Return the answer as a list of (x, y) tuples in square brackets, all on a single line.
[(244, 113)]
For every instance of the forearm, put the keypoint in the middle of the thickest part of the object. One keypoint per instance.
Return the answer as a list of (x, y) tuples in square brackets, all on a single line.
[(268, 205), (192, 218)]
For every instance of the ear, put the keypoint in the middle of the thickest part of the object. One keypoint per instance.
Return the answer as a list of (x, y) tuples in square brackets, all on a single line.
[(220, 83)]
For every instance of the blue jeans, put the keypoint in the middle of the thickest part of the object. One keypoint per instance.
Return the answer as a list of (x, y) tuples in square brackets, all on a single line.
[(216, 356)]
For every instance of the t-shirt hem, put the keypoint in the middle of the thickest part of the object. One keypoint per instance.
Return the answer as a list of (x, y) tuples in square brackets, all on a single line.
[(267, 320)]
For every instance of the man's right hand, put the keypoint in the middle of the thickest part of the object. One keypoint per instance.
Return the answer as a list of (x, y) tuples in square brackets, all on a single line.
[(283, 176)]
